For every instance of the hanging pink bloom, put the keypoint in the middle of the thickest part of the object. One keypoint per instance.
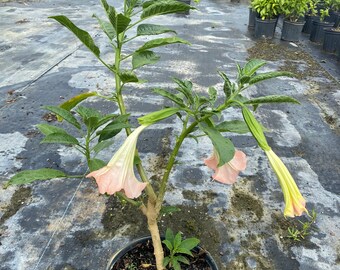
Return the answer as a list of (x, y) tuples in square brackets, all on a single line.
[(228, 172), (118, 174)]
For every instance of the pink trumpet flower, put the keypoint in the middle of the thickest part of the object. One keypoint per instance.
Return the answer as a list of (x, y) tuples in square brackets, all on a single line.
[(228, 172), (118, 174)]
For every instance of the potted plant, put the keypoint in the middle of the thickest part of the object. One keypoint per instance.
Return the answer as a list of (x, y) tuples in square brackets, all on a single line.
[(311, 15), (319, 26), (331, 40), (252, 16), (197, 113), (334, 12), (268, 11), (293, 11)]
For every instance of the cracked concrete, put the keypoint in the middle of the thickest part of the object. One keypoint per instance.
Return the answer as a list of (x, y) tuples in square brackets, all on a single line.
[(52, 226)]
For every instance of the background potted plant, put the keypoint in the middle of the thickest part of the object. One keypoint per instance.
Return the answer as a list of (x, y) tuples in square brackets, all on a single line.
[(319, 25), (331, 40), (252, 16), (312, 14), (198, 114), (294, 11), (334, 12), (268, 11)]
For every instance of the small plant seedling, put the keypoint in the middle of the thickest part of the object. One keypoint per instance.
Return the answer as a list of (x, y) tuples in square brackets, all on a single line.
[(297, 234), (177, 248)]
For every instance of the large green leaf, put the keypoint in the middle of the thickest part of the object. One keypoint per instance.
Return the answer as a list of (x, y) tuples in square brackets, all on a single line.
[(114, 128), (161, 42), (122, 22), (61, 137), (223, 146), (81, 34), (48, 129), (185, 87), (128, 76), (110, 12), (189, 243), (271, 99), (96, 164), (144, 58), (236, 126), (106, 27), (64, 114), (170, 96), (161, 7), (87, 112), (72, 102), (269, 75), (157, 116), (29, 176), (152, 29), (252, 66), (102, 145)]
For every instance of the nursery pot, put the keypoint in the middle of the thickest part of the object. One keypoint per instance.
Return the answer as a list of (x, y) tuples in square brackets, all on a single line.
[(252, 16), (318, 31), (291, 31), (307, 28), (265, 28), (331, 40), (140, 247)]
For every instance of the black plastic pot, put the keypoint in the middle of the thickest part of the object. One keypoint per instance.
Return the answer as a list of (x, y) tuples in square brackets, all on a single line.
[(291, 31), (307, 28), (318, 31), (334, 16), (119, 254), (331, 40), (265, 28), (252, 16)]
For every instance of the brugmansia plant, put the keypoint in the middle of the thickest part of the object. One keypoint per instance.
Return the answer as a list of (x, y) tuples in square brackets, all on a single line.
[(197, 113)]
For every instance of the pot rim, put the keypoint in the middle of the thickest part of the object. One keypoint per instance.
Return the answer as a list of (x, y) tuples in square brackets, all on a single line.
[(131, 245)]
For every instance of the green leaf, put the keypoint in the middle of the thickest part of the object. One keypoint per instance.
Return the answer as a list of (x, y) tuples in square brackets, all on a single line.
[(184, 251), (244, 79), (107, 118), (48, 129), (236, 126), (255, 128), (112, 130), (87, 112), (212, 95), (252, 66), (161, 7), (269, 75), (29, 176), (175, 264), (81, 34), (166, 210), (64, 114), (189, 243), (157, 116), (101, 146), (169, 235), (110, 13), (168, 244), (106, 27), (122, 22), (185, 87), (224, 147), (166, 261), (228, 87), (271, 99), (62, 138), (96, 164), (152, 29), (170, 96), (128, 76), (161, 42), (144, 58), (177, 240), (182, 259), (71, 103)]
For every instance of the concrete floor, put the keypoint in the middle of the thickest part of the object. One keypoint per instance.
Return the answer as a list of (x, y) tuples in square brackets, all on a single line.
[(49, 225)]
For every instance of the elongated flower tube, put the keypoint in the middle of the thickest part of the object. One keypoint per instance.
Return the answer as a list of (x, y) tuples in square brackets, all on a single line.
[(228, 172), (295, 204), (118, 174)]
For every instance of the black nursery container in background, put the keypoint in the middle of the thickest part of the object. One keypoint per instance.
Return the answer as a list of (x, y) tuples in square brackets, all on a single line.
[(318, 31), (331, 40)]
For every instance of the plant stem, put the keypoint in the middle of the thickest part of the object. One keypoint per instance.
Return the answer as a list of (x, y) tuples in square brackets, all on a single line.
[(171, 162)]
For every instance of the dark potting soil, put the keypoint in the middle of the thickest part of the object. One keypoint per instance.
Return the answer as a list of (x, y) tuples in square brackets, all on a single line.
[(142, 258)]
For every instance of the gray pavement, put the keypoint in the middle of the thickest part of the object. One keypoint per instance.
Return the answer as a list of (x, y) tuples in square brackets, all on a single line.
[(66, 224)]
